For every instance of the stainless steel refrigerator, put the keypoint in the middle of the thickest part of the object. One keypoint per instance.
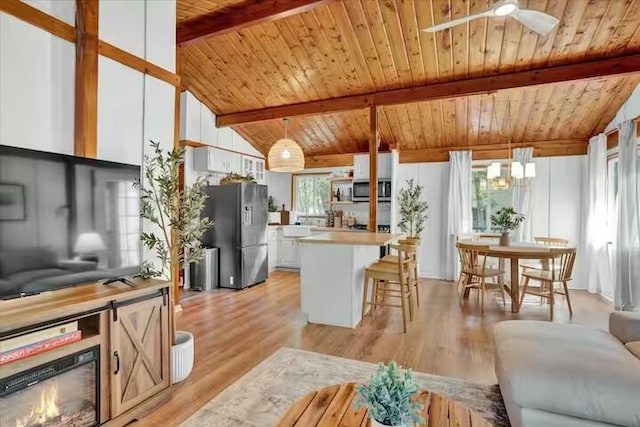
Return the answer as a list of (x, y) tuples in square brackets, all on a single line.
[(239, 212)]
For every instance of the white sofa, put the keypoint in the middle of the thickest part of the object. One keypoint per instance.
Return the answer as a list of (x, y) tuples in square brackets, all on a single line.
[(562, 375)]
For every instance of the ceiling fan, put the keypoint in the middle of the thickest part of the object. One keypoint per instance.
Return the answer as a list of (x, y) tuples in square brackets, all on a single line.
[(540, 22)]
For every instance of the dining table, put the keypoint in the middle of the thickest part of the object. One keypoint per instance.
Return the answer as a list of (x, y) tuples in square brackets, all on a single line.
[(514, 253)]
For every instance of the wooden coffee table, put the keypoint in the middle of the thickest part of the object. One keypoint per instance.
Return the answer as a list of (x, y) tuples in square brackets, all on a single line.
[(333, 406)]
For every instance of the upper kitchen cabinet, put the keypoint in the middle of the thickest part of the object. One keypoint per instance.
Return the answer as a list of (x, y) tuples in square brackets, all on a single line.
[(361, 166), (211, 159), (384, 166), (225, 138), (255, 167)]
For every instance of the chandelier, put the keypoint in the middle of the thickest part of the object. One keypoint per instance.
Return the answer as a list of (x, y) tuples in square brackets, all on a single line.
[(517, 174), (285, 155)]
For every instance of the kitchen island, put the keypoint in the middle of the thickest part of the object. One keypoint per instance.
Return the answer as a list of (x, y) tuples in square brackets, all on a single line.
[(332, 273)]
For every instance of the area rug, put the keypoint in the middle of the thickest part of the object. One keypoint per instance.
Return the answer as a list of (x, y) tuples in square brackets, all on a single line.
[(265, 393)]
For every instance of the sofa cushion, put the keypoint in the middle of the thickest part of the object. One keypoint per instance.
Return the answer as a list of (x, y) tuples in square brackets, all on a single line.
[(23, 259), (634, 348), (625, 325), (567, 369)]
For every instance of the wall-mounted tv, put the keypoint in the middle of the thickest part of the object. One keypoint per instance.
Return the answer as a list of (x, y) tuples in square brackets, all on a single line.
[(65, 221)]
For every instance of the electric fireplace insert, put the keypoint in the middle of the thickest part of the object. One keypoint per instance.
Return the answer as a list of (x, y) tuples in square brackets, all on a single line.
[(64, 392)]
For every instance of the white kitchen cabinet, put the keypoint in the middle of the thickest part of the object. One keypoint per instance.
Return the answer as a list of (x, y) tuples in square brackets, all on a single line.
[(190, 109), (288, 252), (212, 159), (361, 166), (254, 167), (260, 167), (272, 249), (384, 166)]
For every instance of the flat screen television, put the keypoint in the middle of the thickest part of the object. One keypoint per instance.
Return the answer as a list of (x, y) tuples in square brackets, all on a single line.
[(65, 221)]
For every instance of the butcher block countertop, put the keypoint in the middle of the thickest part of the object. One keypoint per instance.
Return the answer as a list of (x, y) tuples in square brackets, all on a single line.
[(354, 239)]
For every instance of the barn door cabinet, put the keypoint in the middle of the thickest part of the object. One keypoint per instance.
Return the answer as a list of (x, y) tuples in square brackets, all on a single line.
[(138, 344)]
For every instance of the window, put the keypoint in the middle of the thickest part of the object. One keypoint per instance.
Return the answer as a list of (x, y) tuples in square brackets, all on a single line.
[(485, 201), (311, 194)]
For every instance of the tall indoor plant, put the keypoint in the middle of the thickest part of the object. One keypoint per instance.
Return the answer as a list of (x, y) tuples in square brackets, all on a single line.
[(389, 397), (506, 220), (175, 212), (413, 211)]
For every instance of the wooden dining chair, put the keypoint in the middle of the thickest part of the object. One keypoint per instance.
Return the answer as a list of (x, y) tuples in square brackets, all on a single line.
[(474, 272), (547, 241), (413, 277), (562, 261), (390, 280)]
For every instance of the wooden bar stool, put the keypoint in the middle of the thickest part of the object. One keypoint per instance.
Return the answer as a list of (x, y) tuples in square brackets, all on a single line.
[(413, 277), (390, 280)]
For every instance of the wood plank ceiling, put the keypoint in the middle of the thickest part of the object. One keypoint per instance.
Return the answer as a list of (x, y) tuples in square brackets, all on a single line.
[(354, 47)]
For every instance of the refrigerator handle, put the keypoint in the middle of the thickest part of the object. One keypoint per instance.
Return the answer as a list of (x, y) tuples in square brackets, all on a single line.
[(248, 215)]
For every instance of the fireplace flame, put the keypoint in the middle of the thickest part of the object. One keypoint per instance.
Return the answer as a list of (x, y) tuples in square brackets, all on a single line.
[(45, 410)]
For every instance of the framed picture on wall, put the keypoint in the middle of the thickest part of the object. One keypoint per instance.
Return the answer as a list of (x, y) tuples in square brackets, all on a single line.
[(12, 202)]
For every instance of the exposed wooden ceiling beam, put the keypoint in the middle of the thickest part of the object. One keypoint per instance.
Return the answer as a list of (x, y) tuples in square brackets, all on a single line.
[(474, 86), (564, 147), (241, 16)]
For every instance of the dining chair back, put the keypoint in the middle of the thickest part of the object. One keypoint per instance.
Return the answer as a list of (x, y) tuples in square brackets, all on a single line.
[(551, 241), (562, 262)]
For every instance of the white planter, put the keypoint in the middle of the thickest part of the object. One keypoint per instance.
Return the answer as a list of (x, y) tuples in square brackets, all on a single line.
[(182, 356), (374, 423), (274, 218)]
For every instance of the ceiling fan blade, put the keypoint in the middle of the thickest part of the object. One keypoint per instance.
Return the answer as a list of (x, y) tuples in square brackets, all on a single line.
[(458, 21), (540, 22)]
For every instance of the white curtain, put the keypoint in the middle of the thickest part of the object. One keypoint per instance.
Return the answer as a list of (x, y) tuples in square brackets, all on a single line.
[(522, 198), (627, 264), (595, 258), (460, 217)]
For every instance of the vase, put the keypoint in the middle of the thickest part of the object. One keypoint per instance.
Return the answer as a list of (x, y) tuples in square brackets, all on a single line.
[(375, 423), (504, 239), (182, 356)]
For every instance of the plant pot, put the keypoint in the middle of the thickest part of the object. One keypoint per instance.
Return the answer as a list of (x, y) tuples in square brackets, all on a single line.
[(182, 353), (504, 239), (375, 423)]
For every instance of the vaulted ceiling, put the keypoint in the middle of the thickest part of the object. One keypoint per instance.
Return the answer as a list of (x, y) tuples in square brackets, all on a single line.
[(352, 47)]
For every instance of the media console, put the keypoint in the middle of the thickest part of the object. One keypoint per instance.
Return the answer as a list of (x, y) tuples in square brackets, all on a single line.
[(116, 372)]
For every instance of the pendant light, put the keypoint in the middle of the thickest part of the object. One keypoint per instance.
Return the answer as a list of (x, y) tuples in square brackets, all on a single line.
[(518, 174), (286, 155)]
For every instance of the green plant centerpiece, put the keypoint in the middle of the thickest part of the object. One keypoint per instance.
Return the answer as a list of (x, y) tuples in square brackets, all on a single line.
[(175, 211), (271, 204), (413, 210), (506, 220), (236, 177), (389, 396)]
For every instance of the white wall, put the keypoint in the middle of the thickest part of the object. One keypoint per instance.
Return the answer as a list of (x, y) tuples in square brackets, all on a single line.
[(37, 88), (280, 188), (37, 81), (630, 110)]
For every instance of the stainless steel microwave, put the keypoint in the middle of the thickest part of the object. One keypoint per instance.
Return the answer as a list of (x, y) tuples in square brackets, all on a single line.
[(361, 190)]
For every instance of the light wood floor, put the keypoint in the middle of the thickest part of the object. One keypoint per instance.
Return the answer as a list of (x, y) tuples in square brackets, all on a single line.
[(236, 330)]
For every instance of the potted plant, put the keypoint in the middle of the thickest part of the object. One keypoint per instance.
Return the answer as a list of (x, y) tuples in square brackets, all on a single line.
[(506, 220), (175, 212), (389, 396), (272, 207), (413, 211)]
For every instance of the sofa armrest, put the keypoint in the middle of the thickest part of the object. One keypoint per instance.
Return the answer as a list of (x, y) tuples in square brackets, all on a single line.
[(625, 325), (78, 266)]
